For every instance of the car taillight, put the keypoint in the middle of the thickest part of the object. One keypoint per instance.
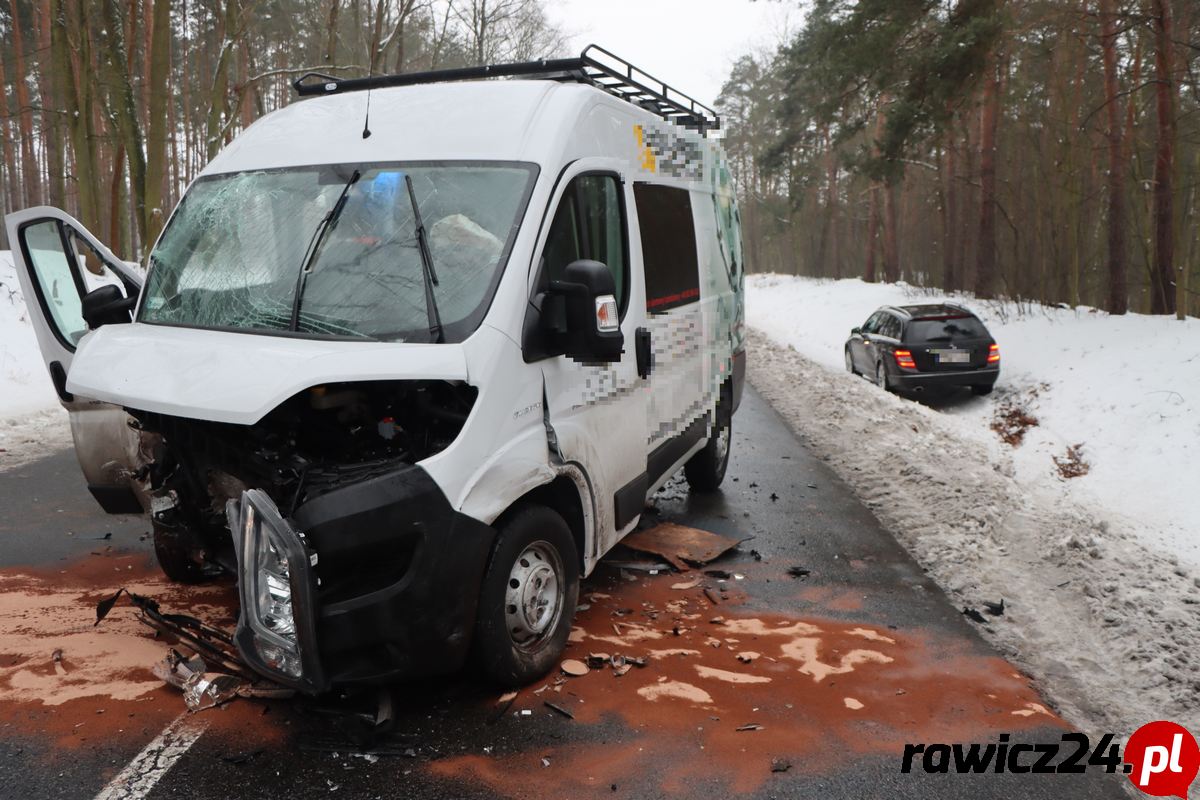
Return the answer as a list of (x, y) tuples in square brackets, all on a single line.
[(993, 354), (904, 359)]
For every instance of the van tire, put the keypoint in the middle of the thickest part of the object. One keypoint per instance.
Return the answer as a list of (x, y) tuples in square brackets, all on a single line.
[(533, 544), (706, 469), (175, 556)]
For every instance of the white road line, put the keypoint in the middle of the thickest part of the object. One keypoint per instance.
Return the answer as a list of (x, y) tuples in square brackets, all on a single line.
[(140, 775)]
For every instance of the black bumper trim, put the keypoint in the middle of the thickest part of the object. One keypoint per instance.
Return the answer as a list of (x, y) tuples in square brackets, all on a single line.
[(974, 377)]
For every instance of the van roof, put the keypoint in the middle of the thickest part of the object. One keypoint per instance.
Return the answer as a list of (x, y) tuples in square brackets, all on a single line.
[(475, 120), (440, 118)]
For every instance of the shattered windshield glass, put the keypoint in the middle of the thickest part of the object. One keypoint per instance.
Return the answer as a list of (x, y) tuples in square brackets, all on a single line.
[(232, 255)]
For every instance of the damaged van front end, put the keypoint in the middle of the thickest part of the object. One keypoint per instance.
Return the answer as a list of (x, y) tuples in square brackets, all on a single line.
[(367, 582)]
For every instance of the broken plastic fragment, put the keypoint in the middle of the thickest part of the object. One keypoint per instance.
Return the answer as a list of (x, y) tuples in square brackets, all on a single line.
[(106, 605), (574, 668)]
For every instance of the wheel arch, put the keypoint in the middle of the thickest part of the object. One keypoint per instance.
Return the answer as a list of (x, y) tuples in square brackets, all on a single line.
[(569, 495)]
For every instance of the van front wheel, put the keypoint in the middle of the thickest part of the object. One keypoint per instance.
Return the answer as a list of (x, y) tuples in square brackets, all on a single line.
[(528, 598), (172, 549), (706, 469)]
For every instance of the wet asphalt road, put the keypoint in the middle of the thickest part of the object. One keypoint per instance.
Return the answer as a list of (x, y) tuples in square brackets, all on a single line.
[(451, 740)]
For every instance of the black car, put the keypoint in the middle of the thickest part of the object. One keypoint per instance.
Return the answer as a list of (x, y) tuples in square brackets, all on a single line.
[(913, 348)]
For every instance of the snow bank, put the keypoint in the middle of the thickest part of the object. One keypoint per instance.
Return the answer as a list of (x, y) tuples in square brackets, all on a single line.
[(31, 421), (1108, 627), (1127, 388)]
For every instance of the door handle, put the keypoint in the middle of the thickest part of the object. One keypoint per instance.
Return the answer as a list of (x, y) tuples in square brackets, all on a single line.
[(644, 352)]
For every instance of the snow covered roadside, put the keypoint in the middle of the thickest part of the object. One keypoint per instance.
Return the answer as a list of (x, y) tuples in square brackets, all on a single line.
[(1126, 388), (1109, 627), (32, 424)]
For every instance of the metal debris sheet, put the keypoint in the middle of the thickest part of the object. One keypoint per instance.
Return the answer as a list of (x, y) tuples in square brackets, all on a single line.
[(680, 545)]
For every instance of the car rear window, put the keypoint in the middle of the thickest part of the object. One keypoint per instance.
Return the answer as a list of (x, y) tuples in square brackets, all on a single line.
[(945, 329)]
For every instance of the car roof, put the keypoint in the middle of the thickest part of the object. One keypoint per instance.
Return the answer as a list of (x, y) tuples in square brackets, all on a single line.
[(931, 310)]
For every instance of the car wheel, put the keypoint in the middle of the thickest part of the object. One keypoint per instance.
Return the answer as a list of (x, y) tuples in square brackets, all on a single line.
[(881, 377), (706, 469), (850, 363), (528, 598), (173, 547), (981, 389)]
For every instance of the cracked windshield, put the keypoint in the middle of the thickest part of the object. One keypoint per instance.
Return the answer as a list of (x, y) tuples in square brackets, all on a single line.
[(242, 246)]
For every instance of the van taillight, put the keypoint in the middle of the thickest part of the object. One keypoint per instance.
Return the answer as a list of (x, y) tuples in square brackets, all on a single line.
[(904, 359), (993, 354)]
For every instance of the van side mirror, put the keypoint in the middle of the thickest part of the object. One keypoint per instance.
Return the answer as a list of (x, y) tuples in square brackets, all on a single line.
[(855, 331), (591, 327), (107, 306)]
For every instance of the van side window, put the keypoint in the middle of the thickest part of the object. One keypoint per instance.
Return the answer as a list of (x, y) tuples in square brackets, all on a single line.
[(588, 224), (668, 246)]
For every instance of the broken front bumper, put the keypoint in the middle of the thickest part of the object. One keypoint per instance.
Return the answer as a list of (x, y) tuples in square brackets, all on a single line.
[(369, 582)]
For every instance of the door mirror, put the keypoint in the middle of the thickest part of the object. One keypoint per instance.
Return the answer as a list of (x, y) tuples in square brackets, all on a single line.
[(856, 331), (590, 323), (107, 306)]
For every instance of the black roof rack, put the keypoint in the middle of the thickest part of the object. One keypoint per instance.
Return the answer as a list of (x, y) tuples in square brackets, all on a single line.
[(595, 66)]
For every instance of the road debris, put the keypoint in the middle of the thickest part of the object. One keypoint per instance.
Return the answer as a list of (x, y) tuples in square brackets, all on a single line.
[(574, 668), (205, 645), (995, 609), (780, 765), (747, 656), (753, 726), (559, 709), (200, 691), (692, 584), (974, 615), (799, 572), (682, 546)]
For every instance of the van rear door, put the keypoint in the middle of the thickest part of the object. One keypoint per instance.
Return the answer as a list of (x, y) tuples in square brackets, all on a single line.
[(58, 261)]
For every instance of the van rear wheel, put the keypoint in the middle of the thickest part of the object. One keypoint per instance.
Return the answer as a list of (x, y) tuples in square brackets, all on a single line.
[(706, 469), (528, 598)]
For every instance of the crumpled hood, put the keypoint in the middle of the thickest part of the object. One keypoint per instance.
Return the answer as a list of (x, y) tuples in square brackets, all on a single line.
[(237, 377)]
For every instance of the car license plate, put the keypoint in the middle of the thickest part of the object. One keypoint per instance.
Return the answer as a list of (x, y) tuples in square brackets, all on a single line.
[(954, 357)]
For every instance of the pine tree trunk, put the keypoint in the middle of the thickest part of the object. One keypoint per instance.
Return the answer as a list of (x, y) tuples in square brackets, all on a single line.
[(1162, 296), (891, 254), (51, 112), (30, 174), (124, 110), (985, 272), (1118, 290), (331, 43), (950, 218), (872, 233), (156, 133), (11, 188)]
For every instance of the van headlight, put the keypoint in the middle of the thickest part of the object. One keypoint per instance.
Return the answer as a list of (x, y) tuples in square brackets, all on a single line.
[(273, 576)]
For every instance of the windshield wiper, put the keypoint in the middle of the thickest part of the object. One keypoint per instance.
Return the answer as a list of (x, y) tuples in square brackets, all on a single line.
[(431, 309), (326, 224)]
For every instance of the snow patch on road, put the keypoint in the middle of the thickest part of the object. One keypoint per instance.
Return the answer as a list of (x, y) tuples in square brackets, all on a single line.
[(1126, 388), (1109, 627)]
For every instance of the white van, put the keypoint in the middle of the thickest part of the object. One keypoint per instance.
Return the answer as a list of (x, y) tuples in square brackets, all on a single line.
[(426, 361)]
